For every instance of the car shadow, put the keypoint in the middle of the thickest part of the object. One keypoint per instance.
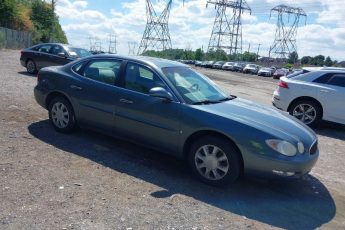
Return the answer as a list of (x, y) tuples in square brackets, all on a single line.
[(330, 129), (24, 73), (301, 204)]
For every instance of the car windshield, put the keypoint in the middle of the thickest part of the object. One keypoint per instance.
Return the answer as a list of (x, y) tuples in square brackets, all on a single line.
[(78, 52), (194, 87)]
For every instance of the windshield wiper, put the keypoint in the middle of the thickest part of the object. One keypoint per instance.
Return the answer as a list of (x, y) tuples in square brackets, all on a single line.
[(205, 102)]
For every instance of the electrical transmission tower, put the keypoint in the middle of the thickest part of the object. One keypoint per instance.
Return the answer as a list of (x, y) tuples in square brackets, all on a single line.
[(131, 48), (95, 44), (112, 44), (286, 31), (156, 35), (227, 28)]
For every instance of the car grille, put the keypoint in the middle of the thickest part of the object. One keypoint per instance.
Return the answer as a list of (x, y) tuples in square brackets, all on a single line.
[(313, 148)]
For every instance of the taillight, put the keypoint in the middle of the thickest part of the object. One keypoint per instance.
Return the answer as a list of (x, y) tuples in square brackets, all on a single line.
[(283, 84)]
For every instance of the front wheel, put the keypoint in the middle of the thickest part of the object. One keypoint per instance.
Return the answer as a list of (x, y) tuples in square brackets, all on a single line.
[(61, 115), (307, 111), (215, 161)]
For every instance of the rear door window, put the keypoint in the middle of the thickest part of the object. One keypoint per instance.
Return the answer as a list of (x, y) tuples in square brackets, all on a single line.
[(106, 71), (337, 80), (45, 48)]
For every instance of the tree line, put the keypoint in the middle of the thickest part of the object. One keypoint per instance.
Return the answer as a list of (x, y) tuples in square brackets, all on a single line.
[(200, 55), (35, 16)]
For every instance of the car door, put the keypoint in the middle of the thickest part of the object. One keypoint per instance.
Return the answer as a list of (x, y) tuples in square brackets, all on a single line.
[(332, 95), (55, 58), (42, 60), (147, 119), (95, 93)]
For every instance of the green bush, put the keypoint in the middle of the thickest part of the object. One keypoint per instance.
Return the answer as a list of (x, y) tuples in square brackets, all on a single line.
[(2, 40)]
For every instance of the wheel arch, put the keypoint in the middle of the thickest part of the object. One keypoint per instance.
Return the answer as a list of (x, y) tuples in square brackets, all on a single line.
[(306, 98), (202, 133), (55, 94)]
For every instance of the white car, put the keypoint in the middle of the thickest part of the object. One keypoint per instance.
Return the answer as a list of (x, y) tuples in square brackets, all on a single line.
[(313, 96), (228, 65)]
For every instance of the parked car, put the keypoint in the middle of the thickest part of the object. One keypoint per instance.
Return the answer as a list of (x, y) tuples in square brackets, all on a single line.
[(198, 63), (168, 106), (49, 54), (203, 64), (251, 68), (266, 72), (228, 66), (209, 64), (280, 73), (238, 67), (313, 96), (218, 65)]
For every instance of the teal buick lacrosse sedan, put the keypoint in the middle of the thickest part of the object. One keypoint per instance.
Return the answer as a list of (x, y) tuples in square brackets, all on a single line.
[(167, 106)]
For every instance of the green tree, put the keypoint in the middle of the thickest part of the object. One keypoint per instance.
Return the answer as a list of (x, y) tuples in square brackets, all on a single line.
[(293, 57), (9, 13), (199, 54), (249, 57), (306, 60), (328, 61)]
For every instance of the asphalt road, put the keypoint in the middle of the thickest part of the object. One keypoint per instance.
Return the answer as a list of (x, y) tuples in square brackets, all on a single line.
[(87, 180)]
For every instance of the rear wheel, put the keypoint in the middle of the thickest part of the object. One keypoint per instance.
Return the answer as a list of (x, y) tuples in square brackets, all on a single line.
[(31, 67), (307, 111), (61, 115), (215, 161)]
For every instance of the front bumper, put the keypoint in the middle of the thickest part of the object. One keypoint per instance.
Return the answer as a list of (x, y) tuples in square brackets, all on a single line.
[(287, 167)]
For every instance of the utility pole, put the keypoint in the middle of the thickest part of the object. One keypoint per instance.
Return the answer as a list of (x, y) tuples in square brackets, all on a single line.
[(249, 48), (52, 29), (257, 53), (131, 48)]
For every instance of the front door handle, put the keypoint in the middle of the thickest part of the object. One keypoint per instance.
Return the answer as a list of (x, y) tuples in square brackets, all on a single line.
[(125, 101), (324, 91), (75, 87)]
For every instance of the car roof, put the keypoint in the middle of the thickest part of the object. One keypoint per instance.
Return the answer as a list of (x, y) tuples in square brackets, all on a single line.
[(157, 62)]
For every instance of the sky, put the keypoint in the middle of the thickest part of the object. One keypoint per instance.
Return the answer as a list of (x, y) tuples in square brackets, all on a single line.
[(191, 24)]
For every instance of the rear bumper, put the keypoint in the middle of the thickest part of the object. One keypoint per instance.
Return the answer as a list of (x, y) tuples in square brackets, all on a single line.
[(22, 62), (40, 96), (280, 102)]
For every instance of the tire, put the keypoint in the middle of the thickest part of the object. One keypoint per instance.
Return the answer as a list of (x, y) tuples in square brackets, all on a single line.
[(295, 109), (61, 115), (31, 67), (225, 163)]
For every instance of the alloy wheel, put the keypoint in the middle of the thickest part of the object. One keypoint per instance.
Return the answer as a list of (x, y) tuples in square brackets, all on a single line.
[(211, 162), (305, 113)]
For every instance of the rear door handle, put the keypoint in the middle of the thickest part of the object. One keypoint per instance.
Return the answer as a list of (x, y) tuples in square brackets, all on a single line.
[(75, 87), (125, 101)]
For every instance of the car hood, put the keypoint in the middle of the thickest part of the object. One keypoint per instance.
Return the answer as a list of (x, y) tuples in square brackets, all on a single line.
[(264, 70), (267, 119)]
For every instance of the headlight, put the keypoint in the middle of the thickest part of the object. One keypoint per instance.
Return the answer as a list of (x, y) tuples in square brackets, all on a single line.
[(283, 147)]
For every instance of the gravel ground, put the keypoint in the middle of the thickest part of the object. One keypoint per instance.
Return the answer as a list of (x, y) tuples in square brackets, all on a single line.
[(89, 181)]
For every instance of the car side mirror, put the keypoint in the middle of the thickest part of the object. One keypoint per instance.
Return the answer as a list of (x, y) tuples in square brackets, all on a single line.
[(160, 93), (62, 54)]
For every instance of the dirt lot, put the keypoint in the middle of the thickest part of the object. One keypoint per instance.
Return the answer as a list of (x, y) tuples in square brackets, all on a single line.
[(89, 181)]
